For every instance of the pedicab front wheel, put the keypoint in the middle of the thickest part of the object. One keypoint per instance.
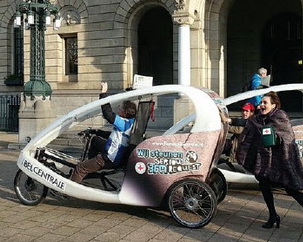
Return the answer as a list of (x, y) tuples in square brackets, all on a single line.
[(29, 191), (192, 203)]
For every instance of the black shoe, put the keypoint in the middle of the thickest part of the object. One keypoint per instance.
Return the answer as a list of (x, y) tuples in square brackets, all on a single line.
[(271, 222)]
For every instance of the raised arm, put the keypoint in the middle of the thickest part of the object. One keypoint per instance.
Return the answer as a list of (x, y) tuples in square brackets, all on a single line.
[(107, 111)]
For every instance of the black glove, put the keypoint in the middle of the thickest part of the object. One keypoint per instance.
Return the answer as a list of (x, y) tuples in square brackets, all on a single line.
[(103, 95), (92, 131)]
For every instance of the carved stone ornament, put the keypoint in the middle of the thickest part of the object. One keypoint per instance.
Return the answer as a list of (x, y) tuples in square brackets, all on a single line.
[(69, 16), (180, 5), (183, 18), (180, 15)]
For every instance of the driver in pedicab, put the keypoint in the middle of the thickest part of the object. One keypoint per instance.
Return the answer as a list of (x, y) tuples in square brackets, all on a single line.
[(108, 153)]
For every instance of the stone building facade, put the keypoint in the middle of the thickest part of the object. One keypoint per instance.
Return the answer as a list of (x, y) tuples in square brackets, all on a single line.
[(217, 44)]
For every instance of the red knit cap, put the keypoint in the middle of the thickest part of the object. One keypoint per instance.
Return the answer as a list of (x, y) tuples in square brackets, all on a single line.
[(248, 106)]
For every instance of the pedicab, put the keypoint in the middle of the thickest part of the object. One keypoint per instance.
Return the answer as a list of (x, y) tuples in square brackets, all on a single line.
[(176, 169), (235, 173)]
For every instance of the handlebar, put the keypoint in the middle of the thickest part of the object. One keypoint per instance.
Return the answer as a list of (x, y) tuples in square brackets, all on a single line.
[(86, 132)]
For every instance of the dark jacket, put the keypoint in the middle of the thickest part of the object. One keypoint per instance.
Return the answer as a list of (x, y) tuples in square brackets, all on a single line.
[(236, 127), (281, 164)]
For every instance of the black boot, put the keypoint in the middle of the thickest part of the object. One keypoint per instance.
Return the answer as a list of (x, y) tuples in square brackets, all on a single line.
[(274, 218), (271, 222)]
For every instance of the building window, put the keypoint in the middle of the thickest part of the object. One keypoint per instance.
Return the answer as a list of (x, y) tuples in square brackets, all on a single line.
[(71, 55), (18, 51), (16, 78)]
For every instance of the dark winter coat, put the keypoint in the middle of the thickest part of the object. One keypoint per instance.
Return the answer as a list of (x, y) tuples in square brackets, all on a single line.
[(280, 164), (236, 127)]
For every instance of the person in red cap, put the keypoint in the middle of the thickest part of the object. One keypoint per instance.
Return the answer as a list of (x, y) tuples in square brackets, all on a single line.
[(236, 127), (247, 110)]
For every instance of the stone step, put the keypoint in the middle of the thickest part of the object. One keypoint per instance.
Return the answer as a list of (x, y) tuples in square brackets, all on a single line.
[(67, 141)]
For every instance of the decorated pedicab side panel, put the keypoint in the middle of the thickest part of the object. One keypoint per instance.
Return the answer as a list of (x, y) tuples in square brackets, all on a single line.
[(35, 169), (223, 111), (41, 173), (298, 130), (158, 162)]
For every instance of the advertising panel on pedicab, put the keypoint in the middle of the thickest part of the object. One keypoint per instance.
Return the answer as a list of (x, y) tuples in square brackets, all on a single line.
[(160, 161)]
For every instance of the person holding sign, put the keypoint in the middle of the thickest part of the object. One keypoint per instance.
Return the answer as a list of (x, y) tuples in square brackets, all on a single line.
[(256, 83), (267, 148)]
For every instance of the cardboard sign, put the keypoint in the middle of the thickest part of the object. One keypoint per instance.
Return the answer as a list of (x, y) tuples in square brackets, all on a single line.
[(142, 81), (265, 81)]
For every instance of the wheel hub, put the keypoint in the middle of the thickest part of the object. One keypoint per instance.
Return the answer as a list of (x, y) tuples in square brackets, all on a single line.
[(192, 203), (30, 185)]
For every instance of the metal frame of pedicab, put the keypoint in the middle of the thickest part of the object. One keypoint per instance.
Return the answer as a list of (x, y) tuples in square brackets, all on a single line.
[(135, 189), (234, 176)]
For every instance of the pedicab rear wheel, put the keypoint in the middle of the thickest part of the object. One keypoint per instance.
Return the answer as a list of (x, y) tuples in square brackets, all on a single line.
[(192, 203), (218, 184), (29, 191)]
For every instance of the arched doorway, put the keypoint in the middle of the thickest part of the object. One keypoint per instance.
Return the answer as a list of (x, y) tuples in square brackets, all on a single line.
[(282, 54), (155, 46), (270, 37)]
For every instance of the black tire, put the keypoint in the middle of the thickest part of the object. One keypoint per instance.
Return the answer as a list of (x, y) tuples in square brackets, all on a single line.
[(29, 191), (192, 203), (219, 185)]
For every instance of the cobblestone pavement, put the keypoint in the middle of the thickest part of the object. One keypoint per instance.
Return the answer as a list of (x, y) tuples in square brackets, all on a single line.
[(239, 217)]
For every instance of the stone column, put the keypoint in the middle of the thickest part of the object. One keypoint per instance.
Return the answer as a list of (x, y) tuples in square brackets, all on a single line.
[(182, 106), (184, 19), (184, 55)]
